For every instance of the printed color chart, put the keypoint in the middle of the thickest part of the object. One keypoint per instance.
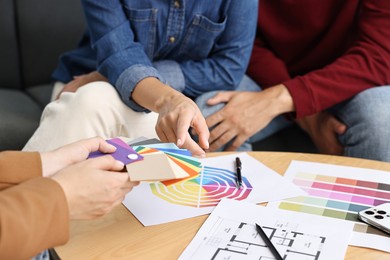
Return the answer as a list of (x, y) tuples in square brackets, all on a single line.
[(339, 192), (203, 190), (336, 197)]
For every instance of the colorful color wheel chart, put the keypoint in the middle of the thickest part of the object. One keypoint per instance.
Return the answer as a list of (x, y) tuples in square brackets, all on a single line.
[(203, 190)]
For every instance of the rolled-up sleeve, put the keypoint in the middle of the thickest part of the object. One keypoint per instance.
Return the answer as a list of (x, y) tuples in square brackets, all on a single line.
[(119, 58)]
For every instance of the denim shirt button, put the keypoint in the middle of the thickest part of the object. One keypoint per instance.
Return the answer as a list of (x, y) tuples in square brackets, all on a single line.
[(172, 39)]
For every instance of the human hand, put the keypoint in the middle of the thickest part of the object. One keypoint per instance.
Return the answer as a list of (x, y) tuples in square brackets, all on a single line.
[(73, 153), (177, 113), (79, 81), (324, 128), (244, 114), (94, 187)]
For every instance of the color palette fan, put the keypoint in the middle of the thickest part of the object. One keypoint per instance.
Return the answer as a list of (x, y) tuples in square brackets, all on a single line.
[(169, 165), (196, 189)]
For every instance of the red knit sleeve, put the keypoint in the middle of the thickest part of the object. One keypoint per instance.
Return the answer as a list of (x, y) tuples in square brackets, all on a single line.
[(364, 65), (264, 67)]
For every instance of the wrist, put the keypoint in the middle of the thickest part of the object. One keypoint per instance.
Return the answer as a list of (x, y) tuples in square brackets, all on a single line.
[(282, 99), (167, 97), (52, 162), (152, 94), (48, 164), (96, 76)]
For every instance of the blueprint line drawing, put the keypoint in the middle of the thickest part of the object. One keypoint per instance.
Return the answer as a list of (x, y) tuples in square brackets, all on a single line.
[(230, 233), (232, 239)]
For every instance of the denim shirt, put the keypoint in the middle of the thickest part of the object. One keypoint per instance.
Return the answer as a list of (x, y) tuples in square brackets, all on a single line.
[(195, 46)]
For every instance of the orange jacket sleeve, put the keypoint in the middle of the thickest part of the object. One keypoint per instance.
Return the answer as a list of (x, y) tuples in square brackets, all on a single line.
[(33, 210)]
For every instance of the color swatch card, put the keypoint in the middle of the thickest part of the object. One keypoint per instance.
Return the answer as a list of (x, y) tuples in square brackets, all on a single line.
[(123, 153), (164, 162), (156, 166), (340, 192)]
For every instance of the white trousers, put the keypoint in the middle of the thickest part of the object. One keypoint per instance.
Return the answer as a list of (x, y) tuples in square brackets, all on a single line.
[(95, 109)]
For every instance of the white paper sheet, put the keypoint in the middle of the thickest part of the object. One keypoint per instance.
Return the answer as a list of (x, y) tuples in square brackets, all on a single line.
[(340, 192), (154, 203), (229, 233)]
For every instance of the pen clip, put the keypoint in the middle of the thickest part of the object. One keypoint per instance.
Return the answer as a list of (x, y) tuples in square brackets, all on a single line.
[(238, 163)]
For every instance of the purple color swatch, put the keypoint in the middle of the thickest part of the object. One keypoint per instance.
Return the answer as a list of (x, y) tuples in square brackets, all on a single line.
[(122, 152)]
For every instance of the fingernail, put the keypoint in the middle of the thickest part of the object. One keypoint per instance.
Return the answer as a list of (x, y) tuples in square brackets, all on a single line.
[(120, 164), (179, 142), (112, 146), (202, 155)]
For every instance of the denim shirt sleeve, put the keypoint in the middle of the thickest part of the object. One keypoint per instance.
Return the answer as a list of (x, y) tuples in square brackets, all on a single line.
[(224, 68), (119, 58), (172, 73)]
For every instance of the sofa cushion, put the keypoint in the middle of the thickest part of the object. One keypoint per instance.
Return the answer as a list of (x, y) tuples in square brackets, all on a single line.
[(41, 94), (47, 28), (19, 116), (9, 59), (28, 56)]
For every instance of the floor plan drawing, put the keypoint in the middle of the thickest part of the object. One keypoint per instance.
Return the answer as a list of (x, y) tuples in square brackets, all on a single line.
[(230, 233), (240, 240)]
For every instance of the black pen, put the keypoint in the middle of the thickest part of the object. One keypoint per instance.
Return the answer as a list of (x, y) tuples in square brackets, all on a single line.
[(268, 243), (238, 172)]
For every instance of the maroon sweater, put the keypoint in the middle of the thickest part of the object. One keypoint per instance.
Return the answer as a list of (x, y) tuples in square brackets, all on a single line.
[(324, 52)]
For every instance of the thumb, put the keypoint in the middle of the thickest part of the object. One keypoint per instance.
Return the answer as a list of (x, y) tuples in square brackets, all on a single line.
[(107, 163), (220, 97), (98, 144), (338, 126)]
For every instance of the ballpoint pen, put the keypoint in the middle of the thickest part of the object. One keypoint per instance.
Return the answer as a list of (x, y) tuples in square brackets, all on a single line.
[(268, 242), (238, 172)]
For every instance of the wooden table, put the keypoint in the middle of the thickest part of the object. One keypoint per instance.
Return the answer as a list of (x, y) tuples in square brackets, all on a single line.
[(119, 235)]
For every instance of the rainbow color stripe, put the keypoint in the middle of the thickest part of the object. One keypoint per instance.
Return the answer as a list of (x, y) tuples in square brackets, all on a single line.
[(204, 190), (336, 197)]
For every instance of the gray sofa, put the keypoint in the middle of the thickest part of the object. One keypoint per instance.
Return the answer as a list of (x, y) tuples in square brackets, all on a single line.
[(32, 36)]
